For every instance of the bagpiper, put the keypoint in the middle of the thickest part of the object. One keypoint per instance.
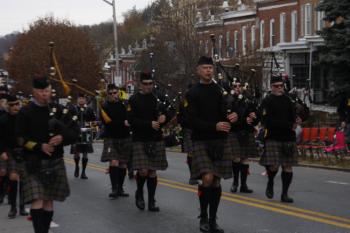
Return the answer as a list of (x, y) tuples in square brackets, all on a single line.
[(117, 141), (43, 128), (146, 122), (10, 156), (210, 126), (279, 118)]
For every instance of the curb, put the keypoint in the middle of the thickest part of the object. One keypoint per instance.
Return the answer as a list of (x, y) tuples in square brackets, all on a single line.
[(316, 166)]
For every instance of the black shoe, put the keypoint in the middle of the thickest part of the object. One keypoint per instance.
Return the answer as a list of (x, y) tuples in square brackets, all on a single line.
[(193, 181), (113, 195), (140, 202), (152, 207), (214, 227), (22, 211), (234, 188), (245, 189), (122, 193), (286, 198), (12, 213), (269, 191), (83, 176), (204, 224), (76, 172)]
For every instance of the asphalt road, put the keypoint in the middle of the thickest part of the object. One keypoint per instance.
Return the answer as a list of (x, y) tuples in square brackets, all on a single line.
[(322, 203)]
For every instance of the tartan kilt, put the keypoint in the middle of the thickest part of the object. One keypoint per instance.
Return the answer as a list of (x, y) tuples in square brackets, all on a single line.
[(275, 156), (81, 148), (116, 149), (9, 165), (247, 145), (187, 140), (201, 163), (140, 160), (33, 189)]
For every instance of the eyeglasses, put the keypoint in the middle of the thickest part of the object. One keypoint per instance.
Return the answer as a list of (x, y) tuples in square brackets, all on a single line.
[(147, 83), (277, 85), (237, 85), (112, 93)]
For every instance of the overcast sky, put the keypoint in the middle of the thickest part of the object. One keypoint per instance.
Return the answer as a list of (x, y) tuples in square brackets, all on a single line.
[(16, 15)]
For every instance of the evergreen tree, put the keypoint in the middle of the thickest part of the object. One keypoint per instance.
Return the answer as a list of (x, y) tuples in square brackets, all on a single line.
[(336, 33)]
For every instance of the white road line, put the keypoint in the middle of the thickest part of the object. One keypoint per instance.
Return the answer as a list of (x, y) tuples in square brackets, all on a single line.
[(337, 182)]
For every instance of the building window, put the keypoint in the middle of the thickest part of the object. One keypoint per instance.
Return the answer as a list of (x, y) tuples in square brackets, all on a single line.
[(206, 49), (252, 34), (220, 46), (262, 33), (235, 43), (244, 40), (308, 20), (272, 32), (282, 27), (320, 20), (294, 27), (228, 44)]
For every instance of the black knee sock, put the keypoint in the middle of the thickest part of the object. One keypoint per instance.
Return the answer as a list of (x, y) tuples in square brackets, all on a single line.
[(189, 163), (204, 196), (235, 171), (76, 160), (1, 186), (244, 174), (121, 177), (47, 218), (113, 177), (140, 181), (21, 197), (13, 193), (37, 220), (286, 181), (84, 162), (271, 175), (151, 187), (214, 201)]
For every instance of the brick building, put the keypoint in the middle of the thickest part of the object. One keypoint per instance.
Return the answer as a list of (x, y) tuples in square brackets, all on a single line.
[(286, 28)]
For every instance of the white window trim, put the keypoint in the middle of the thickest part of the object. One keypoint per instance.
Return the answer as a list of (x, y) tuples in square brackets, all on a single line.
[(262, 33), (320, 21), (272, 32), (244, 40), (220, 46), (228, 41), (252, 38), (294, 26), (282, 27), (307, 20), (235, 42)]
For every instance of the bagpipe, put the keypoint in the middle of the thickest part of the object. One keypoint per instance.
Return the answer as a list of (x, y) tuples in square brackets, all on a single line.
[(66, 85)]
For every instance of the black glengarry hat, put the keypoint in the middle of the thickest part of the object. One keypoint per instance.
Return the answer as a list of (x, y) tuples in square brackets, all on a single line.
[(276, 78), (12, 99), (111, 86), (204, 60), (146, 76), (40, 82)]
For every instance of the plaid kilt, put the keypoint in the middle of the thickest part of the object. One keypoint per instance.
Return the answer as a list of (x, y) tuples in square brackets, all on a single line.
[(243, 147), (187, 140), (33, 189), (140, 160), (81, 148), (116, 149), (201, 163), (275, 154), (9, 165)]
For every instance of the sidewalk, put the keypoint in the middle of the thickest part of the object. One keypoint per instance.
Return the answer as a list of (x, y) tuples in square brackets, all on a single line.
[(18, 225)]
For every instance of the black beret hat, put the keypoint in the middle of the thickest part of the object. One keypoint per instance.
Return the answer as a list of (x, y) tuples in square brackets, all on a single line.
[(276, 79), (203, 60), (40, 82)]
